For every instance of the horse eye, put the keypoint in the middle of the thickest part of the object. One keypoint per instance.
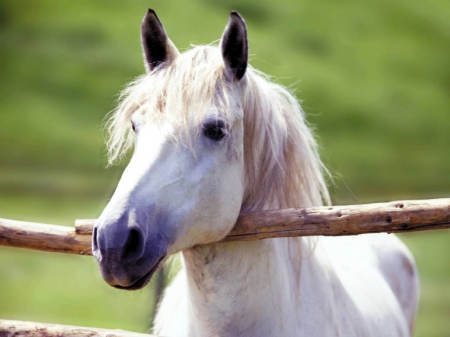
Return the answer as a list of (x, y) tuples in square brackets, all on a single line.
[(133, 127), (215, 130)]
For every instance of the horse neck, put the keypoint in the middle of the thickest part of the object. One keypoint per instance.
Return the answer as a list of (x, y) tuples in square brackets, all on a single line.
[(233, 285), (251, 287)]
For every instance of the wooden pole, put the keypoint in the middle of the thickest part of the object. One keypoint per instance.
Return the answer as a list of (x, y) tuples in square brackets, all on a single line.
[(31, 329), (391, 217), (50, 238)]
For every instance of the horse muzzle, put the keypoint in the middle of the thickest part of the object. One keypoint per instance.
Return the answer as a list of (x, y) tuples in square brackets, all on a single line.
[(126, 256)]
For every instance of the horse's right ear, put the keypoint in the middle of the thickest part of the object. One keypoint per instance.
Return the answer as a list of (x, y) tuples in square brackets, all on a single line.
[(156, 46)]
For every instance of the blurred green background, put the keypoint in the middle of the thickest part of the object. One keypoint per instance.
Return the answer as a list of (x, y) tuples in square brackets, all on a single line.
[(374, 78)]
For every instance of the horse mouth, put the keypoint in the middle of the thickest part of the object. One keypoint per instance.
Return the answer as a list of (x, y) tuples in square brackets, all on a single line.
[(143, 281)]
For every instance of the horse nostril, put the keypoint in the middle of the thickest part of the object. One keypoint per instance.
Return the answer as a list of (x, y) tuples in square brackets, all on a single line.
[(134, 245), (132, 242)]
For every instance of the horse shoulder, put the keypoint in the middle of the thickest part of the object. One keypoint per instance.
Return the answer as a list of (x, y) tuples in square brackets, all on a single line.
[(378, 272), (399, 269)]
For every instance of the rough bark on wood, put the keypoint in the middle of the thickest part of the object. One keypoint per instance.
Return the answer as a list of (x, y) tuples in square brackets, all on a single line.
[(390, 217), (398, 216), (44, 237), (31, 329)]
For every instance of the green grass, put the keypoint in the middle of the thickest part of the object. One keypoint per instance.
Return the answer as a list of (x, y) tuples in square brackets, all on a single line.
[(374, 78), (61, 289)]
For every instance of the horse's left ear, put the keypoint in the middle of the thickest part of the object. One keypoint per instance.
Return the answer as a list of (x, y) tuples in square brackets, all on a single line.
[(156, 46), (234, 47)]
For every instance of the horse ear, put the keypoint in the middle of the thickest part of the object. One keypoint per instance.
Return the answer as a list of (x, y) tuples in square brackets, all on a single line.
[(234, 47), (156, 46)]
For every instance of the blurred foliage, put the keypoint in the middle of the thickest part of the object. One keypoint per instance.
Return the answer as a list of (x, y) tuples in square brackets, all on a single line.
[(375, 83)]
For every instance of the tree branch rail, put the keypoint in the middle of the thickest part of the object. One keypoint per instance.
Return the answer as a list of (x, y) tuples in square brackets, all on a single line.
[(31, 329), (391, 217)]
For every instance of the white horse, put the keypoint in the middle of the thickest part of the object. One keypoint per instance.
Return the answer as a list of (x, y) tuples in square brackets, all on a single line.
[(214, 137)]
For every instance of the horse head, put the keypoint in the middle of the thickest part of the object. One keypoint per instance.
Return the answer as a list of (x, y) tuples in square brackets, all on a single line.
[(184, 185)]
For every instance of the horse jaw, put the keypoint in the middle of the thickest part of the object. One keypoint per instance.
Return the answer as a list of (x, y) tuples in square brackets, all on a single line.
[(172, 195)]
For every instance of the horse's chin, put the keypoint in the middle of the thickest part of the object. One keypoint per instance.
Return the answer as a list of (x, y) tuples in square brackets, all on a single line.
[(143, 281)]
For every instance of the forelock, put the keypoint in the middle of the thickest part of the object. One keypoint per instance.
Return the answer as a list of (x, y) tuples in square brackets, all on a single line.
[(180, 93)]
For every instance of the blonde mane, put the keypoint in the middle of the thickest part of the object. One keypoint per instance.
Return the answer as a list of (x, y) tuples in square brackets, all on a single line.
[(283, 168)]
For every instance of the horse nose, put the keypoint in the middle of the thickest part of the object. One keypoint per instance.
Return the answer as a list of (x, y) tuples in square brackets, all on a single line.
[(126, 245), (134, 246)]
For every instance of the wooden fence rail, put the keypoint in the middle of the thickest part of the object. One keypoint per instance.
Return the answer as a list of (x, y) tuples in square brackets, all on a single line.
[(31, 329), (398, 216)]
